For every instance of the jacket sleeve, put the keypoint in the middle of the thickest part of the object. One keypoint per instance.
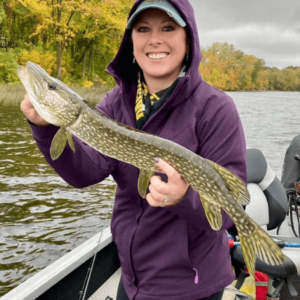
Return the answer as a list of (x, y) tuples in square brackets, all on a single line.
[(221, 139), (84, 167)]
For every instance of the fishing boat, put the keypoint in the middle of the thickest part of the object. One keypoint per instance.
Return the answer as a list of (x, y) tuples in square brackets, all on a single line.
[(92, 270), (64, 279)]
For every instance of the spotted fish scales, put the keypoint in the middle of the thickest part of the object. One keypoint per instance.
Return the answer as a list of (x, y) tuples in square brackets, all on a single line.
[(217, 187)]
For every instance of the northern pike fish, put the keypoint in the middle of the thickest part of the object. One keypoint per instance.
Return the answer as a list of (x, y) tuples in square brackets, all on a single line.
[(218, 188)]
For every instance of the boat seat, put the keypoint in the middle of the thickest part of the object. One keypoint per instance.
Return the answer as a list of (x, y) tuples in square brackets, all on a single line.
[(268, 196), (268, 207), (289, 268)]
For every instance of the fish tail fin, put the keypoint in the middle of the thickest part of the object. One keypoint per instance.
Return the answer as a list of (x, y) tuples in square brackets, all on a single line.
[(249, 254), (259, 245)]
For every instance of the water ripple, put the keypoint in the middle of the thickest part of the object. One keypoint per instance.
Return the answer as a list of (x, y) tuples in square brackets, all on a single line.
[(42, 217)]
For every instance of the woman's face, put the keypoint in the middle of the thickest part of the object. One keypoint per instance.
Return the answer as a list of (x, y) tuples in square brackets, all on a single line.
[(160, 45)]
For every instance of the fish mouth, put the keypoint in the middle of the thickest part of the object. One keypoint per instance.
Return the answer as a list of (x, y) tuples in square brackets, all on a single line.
[(33, 83), (37, 77)]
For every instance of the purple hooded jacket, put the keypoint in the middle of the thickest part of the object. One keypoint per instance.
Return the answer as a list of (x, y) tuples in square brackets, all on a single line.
[(166, 253)]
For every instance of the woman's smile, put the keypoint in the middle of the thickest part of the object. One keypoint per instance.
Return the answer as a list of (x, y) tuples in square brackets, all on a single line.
[(156, 56)]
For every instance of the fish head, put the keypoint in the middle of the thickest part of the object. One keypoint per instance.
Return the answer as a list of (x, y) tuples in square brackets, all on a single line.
[(54, 101)]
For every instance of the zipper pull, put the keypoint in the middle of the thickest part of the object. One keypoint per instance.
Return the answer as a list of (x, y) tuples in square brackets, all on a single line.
[(196, 277)]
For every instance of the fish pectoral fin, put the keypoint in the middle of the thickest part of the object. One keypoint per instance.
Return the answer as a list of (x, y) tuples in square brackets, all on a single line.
[(233, 183), (71, 141), (58, 143), (143, 182), (258, 244), (212, 212)]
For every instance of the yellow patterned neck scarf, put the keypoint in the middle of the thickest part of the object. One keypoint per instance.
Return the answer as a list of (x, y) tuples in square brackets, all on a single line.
[(142, 93), (147, 105)]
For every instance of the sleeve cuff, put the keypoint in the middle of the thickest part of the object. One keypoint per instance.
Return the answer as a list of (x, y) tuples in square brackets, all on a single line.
[(43, 134)]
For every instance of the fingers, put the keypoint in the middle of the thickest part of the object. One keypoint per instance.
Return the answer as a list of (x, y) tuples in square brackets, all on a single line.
[(157, 188), (157, 185), (152, 201), (168, 169), (159, 200), (155, 198), (165, 194)]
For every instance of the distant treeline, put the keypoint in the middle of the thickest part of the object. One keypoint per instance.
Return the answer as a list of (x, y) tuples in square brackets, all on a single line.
[(76, 39), (229, 69)]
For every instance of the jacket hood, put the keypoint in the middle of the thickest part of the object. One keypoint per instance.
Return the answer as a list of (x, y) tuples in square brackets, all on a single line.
[(122, 67)]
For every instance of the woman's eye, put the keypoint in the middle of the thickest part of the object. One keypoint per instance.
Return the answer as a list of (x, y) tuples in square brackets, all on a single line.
[(143, 29), (168, 28)]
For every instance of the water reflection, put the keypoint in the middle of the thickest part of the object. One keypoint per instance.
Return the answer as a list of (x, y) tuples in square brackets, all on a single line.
[(270, 122), (41, 216)]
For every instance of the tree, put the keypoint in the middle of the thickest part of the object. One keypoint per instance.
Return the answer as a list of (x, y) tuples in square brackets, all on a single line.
[(230, 69), (62, 22), (227, 68)]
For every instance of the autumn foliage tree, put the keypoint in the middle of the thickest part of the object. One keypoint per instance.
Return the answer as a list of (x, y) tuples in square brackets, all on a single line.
[(230, 69), (83, 34), (76, 39)]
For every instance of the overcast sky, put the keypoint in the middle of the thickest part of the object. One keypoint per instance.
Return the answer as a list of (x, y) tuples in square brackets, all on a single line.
[(268, 29)]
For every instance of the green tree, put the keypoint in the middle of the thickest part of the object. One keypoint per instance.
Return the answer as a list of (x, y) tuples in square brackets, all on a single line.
[(8, 66), (64, 25)]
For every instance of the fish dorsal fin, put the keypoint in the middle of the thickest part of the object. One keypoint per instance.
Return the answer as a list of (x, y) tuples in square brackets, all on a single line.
[(213, 212), (143, 182), (59, 143), (234, 184)]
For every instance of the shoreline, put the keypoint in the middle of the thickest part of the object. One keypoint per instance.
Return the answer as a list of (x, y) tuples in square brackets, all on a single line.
[(13, 95)]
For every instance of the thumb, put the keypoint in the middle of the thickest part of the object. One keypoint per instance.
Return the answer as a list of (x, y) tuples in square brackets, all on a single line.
[(165, 167)]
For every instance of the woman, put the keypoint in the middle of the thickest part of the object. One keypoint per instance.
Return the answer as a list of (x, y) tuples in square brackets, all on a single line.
[(166, 246)]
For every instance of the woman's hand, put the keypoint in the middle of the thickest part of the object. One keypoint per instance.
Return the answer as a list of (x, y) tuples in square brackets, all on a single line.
[(164, 194), (31, 114)]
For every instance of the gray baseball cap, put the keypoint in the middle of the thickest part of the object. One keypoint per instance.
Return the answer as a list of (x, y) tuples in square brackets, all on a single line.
[(163, 5)]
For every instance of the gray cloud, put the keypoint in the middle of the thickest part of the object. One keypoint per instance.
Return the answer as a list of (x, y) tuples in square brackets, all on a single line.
[(267, 29)]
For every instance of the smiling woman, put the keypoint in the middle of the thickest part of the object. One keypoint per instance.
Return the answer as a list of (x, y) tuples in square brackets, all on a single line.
[(160, 46), (166, 246)]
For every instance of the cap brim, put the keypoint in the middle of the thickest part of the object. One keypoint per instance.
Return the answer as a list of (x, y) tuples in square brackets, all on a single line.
[(172, 13)]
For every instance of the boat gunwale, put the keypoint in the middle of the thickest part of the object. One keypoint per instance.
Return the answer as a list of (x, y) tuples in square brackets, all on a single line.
[(52, 274)]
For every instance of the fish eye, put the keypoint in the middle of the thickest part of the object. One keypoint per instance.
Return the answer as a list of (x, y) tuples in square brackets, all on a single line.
[(51, 86)]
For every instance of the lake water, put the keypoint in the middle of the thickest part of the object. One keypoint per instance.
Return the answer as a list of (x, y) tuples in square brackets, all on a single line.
[(270, 120), (42, 217)]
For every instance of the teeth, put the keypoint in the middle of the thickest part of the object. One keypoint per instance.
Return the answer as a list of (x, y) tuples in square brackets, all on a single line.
[(157, 56)]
